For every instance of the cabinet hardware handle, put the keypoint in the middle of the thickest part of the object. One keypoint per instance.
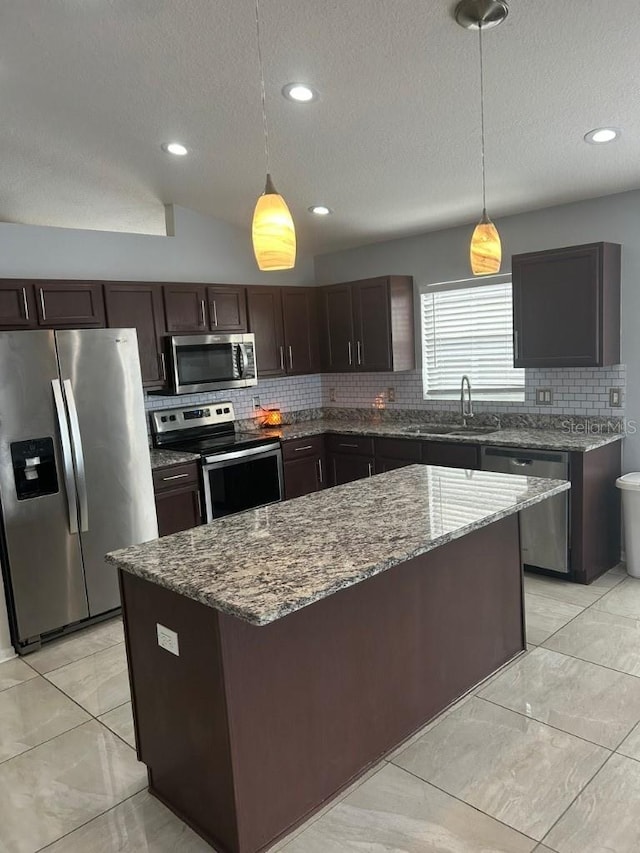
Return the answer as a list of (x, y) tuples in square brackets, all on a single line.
[(25, 303), (516, 343), (281, 358), (202, 312), (359, 351), (163, 367), (371, 469), (320, 474), (174, 477), (42, 305), (350, 355), (306, 447), (215, 312), (290, 358), (344, 444), (199, 506)]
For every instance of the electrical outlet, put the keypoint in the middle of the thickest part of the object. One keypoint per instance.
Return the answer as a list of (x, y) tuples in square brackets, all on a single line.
[(332, 395), (168, 639), (391, 394), (256, 403), (615, 397), (544, 396)]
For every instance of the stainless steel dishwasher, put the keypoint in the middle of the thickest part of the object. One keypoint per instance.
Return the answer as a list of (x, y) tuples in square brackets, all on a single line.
[(544, 528)]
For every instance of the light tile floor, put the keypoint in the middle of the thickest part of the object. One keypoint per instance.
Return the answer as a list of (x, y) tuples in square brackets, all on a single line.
[(544, 756)]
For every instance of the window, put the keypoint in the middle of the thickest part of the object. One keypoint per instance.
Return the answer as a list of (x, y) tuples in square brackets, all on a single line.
[(468, 328)]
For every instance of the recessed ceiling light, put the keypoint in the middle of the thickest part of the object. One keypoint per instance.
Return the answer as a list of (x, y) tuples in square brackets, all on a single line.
[(174, 148), (602, 134), (320, 210), (299, 92)]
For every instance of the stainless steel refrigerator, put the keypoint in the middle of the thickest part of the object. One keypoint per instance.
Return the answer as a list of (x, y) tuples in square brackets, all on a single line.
[(75, 478)]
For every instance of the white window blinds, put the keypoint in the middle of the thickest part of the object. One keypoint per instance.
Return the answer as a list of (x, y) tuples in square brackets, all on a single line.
[(469, 329)]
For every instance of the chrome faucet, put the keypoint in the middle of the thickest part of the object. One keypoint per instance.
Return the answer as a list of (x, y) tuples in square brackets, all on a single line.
[(466, 407)]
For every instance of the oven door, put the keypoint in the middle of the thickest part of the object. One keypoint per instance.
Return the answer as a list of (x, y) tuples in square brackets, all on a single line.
[(211, 362), (242, 479)]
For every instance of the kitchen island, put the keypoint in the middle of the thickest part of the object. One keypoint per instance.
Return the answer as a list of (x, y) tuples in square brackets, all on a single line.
[(275, 655)]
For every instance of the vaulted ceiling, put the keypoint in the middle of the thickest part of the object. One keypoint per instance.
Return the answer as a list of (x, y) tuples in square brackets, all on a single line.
[(89, 89)]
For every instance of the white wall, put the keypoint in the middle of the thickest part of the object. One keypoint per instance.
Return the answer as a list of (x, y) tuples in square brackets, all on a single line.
[(443, 256), (203, 249)]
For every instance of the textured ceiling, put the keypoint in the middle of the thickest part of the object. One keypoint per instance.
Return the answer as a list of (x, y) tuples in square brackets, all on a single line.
[(90, 88)]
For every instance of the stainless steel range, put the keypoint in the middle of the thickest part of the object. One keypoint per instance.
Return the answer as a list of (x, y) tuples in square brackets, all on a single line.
[(240, 470)]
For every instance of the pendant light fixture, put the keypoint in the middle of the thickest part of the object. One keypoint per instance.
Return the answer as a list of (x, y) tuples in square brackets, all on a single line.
[(485, 252), (273, 232)]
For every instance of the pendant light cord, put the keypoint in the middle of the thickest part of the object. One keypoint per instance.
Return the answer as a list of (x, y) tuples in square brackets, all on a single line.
[(484, 202), (263, 94)]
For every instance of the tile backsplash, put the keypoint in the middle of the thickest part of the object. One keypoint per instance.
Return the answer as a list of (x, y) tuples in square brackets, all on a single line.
[(581, 392), (575, 391)]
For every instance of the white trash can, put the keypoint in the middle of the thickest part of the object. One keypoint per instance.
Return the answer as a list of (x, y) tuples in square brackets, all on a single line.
[(630, 486)]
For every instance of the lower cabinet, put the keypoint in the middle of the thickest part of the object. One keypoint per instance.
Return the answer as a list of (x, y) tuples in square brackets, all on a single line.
[(304, 466), (177, 493), (451, 455), (349, 457), (393, 453)]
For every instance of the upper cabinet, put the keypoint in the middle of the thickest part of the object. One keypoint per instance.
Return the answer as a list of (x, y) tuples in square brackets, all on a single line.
[(51, 304), (217, 308), (139, 305), (17, 305), (186, 308), (284, 322), (227, 308), (69, 304), (368, 325), (566, 307)]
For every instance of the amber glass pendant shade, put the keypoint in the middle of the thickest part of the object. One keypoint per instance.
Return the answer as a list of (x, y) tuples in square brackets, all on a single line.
[(273, 232), (485, 253)]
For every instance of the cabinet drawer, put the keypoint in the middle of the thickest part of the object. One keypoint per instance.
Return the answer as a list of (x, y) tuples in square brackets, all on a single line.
[(175, 476), (399, 448), (451, 455), (350, 444), (300, 447)]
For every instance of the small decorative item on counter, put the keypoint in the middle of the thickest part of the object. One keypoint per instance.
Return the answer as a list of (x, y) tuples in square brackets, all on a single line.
[(272, 418)]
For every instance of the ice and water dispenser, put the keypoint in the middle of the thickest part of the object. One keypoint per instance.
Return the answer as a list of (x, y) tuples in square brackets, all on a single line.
[(34, 468)]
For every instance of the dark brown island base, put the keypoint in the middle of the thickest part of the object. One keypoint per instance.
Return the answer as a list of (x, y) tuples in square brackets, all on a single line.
[(276, 655)]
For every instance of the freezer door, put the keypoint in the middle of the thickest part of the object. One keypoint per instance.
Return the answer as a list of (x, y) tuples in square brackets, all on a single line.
[(100, 371), (41, 553)]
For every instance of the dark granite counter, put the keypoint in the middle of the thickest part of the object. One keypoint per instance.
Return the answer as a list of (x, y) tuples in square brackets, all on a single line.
[(266, 563), (544, 439), (163, 458)]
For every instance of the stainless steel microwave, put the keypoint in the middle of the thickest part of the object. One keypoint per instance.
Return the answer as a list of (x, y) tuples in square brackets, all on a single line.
[(212, 362)]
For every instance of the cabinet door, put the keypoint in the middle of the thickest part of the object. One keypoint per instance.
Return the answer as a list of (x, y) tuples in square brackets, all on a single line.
[(338, 338), (265, 321), (139, 306), (300, 324), (451, 455), (346, 467), (557, 307), (17, 305), (303, 476), (185, 308), (70, 304), (227, 308), (178, 509), (383, 464), (372, 325)]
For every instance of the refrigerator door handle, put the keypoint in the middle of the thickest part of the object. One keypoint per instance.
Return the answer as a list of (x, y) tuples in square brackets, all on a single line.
[(78, 455), (65, 441)]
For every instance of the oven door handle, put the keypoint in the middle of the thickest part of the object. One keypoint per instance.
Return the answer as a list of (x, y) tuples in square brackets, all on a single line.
[(263, 450)]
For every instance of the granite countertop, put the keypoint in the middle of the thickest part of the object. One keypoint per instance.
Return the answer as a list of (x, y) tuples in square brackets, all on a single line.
[(163, 458), (263, 564), (544, 439)]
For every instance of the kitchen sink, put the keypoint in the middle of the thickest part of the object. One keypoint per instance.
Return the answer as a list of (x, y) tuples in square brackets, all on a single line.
[(449, 429), (472, 430)]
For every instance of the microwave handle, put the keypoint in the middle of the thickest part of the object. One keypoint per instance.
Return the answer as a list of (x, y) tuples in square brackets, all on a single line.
[(240, 360)]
